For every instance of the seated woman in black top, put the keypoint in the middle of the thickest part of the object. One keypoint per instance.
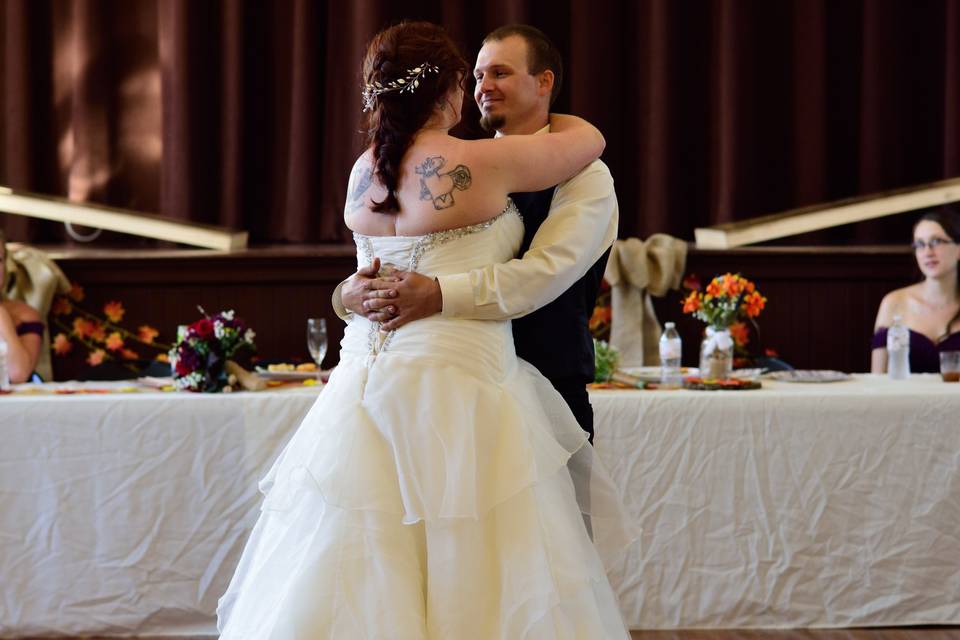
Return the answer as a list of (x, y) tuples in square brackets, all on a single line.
[(20, 327), (930, 308)]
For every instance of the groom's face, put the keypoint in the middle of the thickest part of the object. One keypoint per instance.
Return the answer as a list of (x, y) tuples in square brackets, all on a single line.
[(506, 92)]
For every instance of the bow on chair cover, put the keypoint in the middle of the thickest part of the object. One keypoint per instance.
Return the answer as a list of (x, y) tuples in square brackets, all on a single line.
[(636, 271), (34, 278)]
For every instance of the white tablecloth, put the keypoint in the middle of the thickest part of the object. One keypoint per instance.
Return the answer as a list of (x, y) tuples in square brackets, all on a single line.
[(795, 505), (126, 513)]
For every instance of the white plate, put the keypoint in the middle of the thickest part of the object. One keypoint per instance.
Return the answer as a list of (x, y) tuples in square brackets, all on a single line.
[(154, 382), (808, 375), (747, 374), (652, 374), (287, 375)]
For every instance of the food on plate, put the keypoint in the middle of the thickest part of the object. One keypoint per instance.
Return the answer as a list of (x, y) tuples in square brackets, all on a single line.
[(713, 384)]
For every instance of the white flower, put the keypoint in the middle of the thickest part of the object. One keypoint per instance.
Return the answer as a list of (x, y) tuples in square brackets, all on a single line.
[(218, 330), (227, 315), (191, 381), (249, 336)]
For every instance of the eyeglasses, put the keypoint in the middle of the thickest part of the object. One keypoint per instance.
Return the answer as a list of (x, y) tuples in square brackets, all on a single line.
[(933, 243)]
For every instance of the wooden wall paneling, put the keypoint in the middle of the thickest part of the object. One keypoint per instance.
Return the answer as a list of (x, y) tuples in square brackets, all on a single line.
[(274, 291), (821, 301)]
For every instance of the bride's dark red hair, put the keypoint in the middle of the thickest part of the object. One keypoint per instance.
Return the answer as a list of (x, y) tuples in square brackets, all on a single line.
[(397, 116)]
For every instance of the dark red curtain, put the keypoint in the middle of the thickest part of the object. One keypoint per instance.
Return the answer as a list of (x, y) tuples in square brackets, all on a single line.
[(246, 113)]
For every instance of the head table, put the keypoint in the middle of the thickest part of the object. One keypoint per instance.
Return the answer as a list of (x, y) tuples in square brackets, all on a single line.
[(792, 505)]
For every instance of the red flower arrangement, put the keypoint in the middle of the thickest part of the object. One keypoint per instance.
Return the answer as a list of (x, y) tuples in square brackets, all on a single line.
[(199, 357)]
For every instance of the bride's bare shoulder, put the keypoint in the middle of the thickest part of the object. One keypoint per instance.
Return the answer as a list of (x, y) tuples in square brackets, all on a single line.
[(363, 190), (443, 187), (360, 183)]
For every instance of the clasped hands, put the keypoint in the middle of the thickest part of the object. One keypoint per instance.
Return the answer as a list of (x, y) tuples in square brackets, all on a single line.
[(392, 298)]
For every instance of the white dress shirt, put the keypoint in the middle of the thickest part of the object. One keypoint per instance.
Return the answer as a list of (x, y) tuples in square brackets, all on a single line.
[(581, 225)]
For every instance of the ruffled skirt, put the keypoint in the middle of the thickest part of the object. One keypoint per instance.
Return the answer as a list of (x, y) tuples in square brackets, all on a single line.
[(420, 500)]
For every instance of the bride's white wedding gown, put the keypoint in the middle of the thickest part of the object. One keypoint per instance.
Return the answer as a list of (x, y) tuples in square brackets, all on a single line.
[(428, 493)]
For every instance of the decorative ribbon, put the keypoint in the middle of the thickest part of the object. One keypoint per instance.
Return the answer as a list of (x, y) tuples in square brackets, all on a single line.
[(717, 339)]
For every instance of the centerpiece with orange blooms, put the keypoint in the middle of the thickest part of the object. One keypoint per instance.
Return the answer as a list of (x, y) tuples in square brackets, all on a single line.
[(726, 304), (101, 334)]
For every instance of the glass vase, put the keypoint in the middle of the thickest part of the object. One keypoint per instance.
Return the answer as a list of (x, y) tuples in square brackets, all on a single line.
[(716, 354)]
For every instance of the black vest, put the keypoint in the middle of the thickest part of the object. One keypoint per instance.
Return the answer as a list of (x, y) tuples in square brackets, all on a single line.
[(556, 338)]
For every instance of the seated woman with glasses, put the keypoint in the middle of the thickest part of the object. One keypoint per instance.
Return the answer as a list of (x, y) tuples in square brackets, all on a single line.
[(931, 307)]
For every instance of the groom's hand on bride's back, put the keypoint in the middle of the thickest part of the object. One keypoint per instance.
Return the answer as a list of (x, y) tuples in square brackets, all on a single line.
[(406, 297)]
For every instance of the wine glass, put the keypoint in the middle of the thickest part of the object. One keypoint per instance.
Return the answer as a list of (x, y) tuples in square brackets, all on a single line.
[(317, 339)]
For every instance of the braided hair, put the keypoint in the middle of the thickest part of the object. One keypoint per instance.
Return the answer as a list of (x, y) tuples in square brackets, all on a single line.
[(395, 117)]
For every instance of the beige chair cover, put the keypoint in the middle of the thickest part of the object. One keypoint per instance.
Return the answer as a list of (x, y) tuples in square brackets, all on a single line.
[(34, 278), (636, 271)]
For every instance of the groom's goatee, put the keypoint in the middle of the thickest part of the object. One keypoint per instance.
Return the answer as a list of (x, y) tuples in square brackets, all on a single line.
[(492, 122)]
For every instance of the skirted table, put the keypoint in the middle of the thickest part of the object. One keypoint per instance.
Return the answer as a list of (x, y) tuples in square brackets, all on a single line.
[(125, 513), (793, 505)]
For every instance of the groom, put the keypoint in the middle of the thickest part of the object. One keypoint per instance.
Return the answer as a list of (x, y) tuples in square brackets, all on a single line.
[(548, 293)]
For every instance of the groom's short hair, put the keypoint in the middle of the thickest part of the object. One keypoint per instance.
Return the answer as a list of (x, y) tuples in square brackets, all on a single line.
[(542, 54)]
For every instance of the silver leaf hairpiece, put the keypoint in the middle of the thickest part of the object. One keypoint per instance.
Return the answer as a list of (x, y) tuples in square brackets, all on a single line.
[(408, 83)]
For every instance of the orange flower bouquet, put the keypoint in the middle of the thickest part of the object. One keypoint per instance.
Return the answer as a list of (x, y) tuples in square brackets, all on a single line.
[(724, 305), (602, 316)]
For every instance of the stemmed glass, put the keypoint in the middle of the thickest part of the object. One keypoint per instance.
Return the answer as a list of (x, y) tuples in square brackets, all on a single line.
[(317, 340)]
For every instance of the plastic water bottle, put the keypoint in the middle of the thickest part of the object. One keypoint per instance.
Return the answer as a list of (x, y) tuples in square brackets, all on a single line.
[(4, 372), (898, 350), (670, 351)]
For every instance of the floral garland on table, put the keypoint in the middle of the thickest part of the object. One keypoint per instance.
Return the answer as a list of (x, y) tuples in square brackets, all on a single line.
[(199, 357), (102, 336)]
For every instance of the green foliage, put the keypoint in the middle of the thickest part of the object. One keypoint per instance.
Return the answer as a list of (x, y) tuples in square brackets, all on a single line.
[(606, 359)]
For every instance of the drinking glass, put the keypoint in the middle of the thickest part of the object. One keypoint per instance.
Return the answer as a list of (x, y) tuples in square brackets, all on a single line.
[(950, 366), (317, 339)]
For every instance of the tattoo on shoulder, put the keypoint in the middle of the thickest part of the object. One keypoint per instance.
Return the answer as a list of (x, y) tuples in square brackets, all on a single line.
[(439, 186), (360, 180)]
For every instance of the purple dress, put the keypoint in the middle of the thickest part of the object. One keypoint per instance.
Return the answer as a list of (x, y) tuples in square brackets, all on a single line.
[(30, 327), (924, 353)]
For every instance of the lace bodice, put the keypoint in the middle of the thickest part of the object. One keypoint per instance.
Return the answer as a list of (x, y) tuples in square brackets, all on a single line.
[(440, 253)]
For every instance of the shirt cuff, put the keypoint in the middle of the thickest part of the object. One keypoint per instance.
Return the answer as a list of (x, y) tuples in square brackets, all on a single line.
[(337, 301), (457, 295)]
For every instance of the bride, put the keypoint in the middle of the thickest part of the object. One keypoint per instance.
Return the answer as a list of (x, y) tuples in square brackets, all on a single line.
[(431, 491)]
